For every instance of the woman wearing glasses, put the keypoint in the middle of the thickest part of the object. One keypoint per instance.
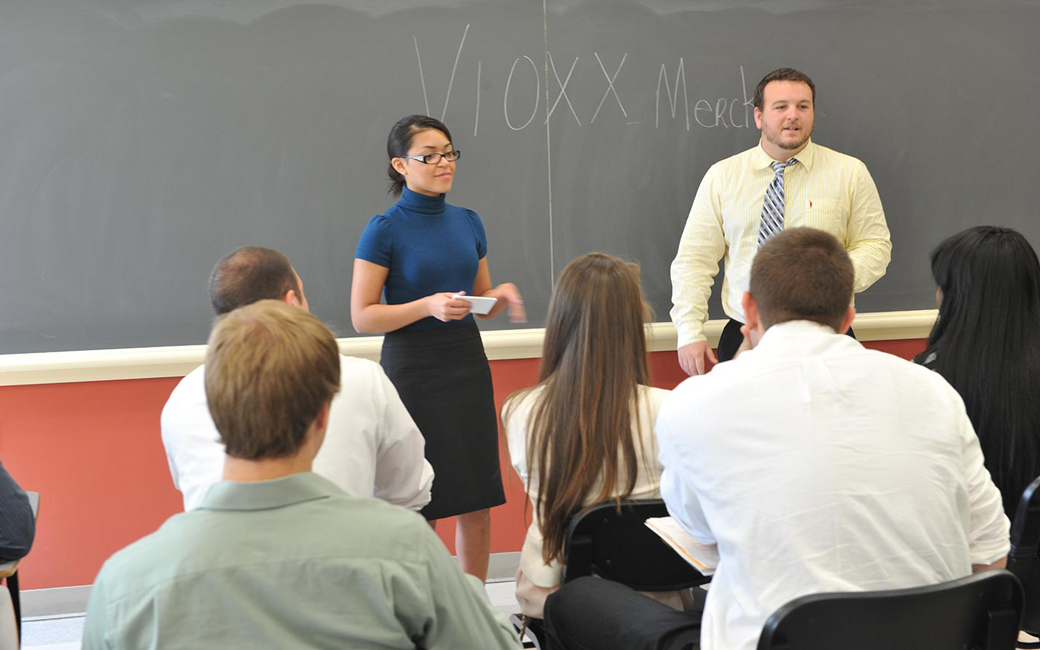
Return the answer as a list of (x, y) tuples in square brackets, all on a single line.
[(422, 254)]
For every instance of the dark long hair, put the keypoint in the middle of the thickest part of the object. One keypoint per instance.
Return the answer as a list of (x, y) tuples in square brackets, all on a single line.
[(584, 424), (986, 344), (400, 140)]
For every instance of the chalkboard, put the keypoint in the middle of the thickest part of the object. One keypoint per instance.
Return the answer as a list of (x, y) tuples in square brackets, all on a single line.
[(141, 140)]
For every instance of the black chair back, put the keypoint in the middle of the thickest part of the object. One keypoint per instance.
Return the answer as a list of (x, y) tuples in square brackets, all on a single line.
[(1022, 561), (615, 544), (978, 612)]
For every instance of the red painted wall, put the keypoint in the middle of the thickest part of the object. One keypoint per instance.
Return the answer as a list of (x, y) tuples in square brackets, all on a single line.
[(93, 452)]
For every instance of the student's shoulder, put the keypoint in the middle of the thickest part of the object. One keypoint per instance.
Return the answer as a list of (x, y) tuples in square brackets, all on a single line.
[(911, 374), (373, 528), (360, 367), (190, 392), (361, 378), (191, 381), (654, 395), (146, 562)]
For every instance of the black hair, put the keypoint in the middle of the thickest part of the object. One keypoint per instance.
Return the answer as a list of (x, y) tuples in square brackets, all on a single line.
[(249, 274), (986, 345), (400, 140)]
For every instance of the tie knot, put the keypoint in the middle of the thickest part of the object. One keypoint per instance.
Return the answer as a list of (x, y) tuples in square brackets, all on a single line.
[(779, 167)]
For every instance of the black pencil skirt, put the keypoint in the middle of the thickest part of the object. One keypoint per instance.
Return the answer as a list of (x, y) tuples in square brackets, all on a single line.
[(444, 380)]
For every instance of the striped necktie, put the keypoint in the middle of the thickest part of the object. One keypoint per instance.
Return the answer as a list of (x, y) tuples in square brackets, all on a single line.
[(773, 206)]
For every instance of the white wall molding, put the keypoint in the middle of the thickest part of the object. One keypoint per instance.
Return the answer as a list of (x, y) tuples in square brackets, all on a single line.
[(147, 363)]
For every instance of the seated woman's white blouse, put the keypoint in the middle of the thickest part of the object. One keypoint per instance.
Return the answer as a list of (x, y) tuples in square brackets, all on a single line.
[(647, 483)]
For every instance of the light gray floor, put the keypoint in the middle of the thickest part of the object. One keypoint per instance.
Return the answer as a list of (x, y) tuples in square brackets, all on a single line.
[(65, 633), (52, 633)]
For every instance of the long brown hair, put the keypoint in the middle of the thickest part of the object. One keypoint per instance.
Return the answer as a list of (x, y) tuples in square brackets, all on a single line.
[(584, 421)]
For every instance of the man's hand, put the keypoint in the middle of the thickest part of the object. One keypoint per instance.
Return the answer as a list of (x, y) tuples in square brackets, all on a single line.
[(691, 358)]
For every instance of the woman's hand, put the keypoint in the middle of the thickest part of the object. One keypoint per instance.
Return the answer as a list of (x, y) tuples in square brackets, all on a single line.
[(508, 293), (446, 307)]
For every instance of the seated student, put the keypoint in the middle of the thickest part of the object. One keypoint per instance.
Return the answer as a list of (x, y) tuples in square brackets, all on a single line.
[(815, 465), (373, 447), (17, 523), (584, 434), (985, 343), (277, 556)]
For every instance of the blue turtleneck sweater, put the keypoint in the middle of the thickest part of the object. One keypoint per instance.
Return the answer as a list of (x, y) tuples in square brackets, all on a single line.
[(428, 246)]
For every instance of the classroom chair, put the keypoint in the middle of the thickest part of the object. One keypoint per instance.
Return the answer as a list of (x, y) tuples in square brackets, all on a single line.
[(8, 626), (978, 612), (613, 543), (9, 573), (1022, 559)]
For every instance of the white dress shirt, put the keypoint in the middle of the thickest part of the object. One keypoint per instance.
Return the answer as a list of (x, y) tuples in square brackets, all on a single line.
[(817, 465), (372, 447), (825, 189)]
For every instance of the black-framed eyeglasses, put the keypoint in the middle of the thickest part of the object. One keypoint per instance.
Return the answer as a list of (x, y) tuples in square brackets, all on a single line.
[(434, 158)]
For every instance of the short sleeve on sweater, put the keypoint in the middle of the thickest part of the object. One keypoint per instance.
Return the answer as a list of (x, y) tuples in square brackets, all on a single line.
[(376, 244), (478, 230)]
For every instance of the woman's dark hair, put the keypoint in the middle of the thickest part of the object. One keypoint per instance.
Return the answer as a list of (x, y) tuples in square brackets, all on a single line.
[(400, 141), (986, 344)]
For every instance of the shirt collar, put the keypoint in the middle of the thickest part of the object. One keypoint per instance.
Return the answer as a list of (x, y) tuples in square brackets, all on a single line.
[(777, 336), (265, 495), (761, 160)]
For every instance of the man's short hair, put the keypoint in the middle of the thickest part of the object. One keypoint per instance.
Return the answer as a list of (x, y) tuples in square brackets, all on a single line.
[(782, 74), (270, 368), (802, 274), (249, 274)]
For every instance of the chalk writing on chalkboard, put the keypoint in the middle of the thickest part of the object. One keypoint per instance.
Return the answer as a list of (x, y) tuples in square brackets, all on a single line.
[(725, 112)]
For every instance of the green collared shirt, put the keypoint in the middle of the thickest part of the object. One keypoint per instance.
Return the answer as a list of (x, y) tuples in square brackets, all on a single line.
[(290, 563)]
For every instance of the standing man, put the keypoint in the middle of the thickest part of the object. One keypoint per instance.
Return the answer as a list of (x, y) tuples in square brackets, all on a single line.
[(784, 182)]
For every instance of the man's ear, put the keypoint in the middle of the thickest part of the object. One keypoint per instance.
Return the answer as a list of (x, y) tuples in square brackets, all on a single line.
[(846, 321), (751, 317), (758, 118), (292, 298), (321, 422)]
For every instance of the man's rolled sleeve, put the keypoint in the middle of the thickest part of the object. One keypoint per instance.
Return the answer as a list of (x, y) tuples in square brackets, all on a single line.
[(868, 239), (403, 476), (693, 271), (989, 528), (679, 498)]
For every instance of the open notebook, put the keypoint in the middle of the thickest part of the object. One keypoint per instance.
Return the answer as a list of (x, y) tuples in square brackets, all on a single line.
[(701, 557)]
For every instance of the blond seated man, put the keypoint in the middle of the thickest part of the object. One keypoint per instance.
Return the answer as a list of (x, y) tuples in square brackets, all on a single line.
[(277, 556)]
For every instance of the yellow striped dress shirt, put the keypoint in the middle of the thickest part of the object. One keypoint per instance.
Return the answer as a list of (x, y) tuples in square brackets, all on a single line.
[(825, 189)]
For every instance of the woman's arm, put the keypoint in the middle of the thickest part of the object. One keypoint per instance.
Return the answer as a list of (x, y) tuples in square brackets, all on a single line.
[(370, 317), (506, 293)]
